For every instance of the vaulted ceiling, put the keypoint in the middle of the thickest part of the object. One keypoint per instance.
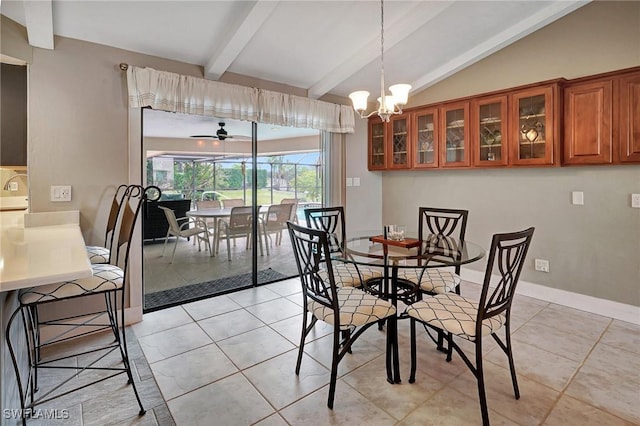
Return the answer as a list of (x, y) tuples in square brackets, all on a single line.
[(323, 47)]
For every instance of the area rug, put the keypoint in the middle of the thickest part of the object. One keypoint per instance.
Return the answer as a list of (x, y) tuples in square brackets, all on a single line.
[(193, 292)]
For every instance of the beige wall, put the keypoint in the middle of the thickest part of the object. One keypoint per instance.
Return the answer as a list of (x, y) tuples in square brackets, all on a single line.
[(593, 249)]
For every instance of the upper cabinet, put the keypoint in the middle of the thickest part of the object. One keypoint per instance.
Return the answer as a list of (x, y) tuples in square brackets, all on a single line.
[(377, 145), (629, 117), (399, 150), (591, 120), (533, 130), (424, 138), (454, 137), (13, 120), (489, 131), (602, 120)]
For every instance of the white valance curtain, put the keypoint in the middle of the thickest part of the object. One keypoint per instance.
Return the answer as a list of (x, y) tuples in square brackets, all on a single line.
[(191, 95)]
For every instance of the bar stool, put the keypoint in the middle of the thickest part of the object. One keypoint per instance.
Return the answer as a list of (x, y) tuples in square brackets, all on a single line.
[(102, 254), (108, 280)]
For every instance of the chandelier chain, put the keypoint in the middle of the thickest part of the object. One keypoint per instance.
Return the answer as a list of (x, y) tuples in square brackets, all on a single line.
[(382, 88)]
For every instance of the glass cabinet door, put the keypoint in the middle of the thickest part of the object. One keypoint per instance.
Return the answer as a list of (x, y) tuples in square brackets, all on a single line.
[(377, 147), (424, 138), (490, 132), (533, 127), (454, 143), (399, 142)]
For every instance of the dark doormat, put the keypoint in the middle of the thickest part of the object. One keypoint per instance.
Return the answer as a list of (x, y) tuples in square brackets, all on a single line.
[(192, 292)]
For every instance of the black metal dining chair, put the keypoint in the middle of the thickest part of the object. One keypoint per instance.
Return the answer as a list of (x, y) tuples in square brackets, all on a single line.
[(110, 282), (331, 220), (473, 320), (349, 310), (102, 254)]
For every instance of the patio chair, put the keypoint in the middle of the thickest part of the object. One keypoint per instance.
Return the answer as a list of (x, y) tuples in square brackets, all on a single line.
[(189, 227), (472, 320), (349, 310), (275, 221), (232, 202), (294, 209), (238, 225), (209, 204)]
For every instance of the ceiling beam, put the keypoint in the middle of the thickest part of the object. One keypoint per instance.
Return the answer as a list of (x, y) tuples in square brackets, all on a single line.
[(511, 34), (39, 22), (394, 33), (247, 25)]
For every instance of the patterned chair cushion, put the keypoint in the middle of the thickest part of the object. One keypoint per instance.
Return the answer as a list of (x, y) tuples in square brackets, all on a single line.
[(356, 308), (346, 274), (105, 278), (434, 280), (455, 314), (98, 254)]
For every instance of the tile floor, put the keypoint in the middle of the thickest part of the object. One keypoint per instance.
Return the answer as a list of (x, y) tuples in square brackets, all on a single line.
[(230, 360)]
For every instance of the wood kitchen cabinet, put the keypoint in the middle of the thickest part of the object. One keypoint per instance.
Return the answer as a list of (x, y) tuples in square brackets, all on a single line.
[(377, 150), (399, 129), (533, 131), (602, 119), (489, 131), (424, 138), (454, 136), (628, 117), (587, 122)]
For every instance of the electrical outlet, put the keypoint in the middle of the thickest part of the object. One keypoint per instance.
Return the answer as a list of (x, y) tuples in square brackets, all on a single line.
[(13, 186), (542, 265), (577, 198), (635, 201), (60, 193)]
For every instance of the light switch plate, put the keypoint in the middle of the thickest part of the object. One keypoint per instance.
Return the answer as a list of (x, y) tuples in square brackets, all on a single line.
[(635, 201), (356, 181), (349, 182), (577, 198), (60, 193)]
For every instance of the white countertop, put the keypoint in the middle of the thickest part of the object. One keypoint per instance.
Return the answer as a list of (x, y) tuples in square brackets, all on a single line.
[(39, 255)]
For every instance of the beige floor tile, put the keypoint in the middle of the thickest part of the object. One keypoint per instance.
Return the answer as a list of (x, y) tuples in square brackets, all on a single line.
[(230, 324), (230, 401), (161, 320), (278, 383), (607, 392), (535, 400), (168, 343), (253, 296), (623, 335), (286, 287), (362, 352), (272, 420), (291, 329), (211, 307), (449, 407), (554, 340), (398, 400), (572, 321), (254, 346), (350, 408), (185, 372), (616, 362), (571, 412), (297, 298), (274, 310), (537, 364)]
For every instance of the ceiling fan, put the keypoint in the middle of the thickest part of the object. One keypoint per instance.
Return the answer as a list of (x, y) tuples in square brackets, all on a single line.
[(221, 134)]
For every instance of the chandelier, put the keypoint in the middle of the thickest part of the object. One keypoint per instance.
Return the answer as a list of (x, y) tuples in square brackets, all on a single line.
[(388, 105)]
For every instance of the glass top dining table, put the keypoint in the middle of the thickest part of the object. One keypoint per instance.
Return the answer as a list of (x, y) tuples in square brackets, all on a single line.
[(371, 249)]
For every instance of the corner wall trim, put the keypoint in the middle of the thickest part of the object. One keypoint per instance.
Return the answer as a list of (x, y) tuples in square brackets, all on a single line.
[(608, 308)]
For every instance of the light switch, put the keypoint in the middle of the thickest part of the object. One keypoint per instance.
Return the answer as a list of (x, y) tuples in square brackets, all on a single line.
[(60, 193), (356, 181), (349, 182), (635, 201), (577, 198)]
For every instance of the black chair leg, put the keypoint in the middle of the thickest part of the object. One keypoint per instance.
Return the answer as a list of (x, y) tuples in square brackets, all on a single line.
[(412, 375), (303, 335), (334, 368), (481, 390), (512, 367)]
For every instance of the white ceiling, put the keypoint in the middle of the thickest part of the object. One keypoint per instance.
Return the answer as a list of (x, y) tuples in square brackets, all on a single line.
[(325, 47)]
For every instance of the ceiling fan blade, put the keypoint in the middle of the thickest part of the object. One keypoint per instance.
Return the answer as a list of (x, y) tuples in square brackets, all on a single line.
[(204, 136)]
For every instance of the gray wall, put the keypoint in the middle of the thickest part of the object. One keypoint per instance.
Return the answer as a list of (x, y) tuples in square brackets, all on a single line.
[(593, 249)]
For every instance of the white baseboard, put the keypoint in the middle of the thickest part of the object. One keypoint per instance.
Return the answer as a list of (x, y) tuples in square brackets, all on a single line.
[(608, 308)]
